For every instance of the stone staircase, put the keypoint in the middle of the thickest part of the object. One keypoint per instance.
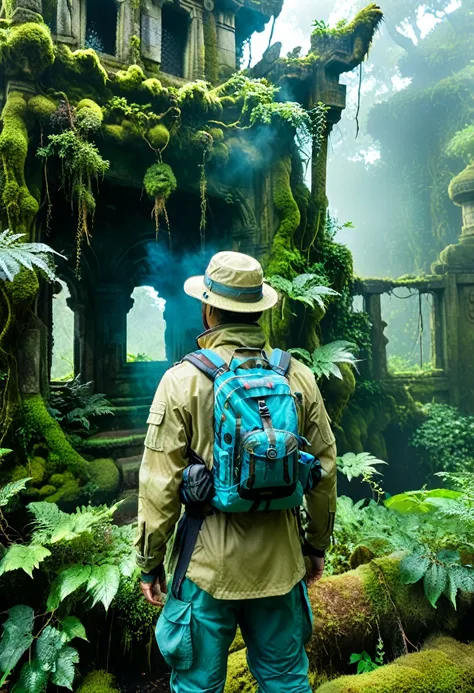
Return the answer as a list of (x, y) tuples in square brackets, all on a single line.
[(121, 438)]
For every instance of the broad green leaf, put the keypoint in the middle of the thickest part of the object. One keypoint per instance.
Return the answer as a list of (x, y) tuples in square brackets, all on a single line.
[(449, 556), (17, 636), (11, 490), (421, 501), (65, 670), (66, 583), (23, 557), (413, 568), (355, 658), (302, 355), (48, 647), (451, 589), (103, 584), (72, 628), (435, 582), (360, 465), (15, 254), (33, 678), (464, 577)]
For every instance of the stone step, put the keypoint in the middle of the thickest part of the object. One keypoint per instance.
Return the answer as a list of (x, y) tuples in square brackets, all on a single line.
[(129, 416), (128, 509), (115, 444), (129, 467)]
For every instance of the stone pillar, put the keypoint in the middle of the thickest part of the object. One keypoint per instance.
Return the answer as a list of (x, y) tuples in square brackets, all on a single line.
[(151, 32), (373, 306), (126, 28), (111, 304), (194, 64), (456, 262), (225, 24), (69, 21), (26, 10)]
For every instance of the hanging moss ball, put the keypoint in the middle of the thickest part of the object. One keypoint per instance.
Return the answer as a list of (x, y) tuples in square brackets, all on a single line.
[(159, 136), (89, 116), (217, 134), (23, 288), (29, 49), (41, 106), (202, 140), (160, 181), (220, 154)]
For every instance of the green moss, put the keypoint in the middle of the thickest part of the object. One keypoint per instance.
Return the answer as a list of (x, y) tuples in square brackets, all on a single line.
[(282, 253), (159, 137), (19, 204), (160, 181), (23, 289), (210, 44), (47, 491), (130, 79), (153, 87), (41, 106), (135, 618), (98, 682), (220, 154), (40, 423), (105, 480), (239, 678), (444, 667), (72, 68), (29, 50), (217, 134)]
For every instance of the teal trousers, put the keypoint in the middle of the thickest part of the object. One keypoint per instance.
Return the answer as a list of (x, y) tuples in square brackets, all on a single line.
[(195, 632)]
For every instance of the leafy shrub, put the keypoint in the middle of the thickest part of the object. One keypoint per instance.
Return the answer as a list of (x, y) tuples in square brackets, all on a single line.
[(15, 253), (304, 288), (445, 439), (83, 559), (73, 405)]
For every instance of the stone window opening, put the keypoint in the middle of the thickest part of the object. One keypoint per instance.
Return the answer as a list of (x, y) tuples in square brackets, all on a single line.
[(146, 327), (409, 329), (174, 37), (62, 362), (101, 26)]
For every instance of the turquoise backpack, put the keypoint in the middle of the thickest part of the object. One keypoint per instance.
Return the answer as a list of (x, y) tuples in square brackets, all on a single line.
[(259, 462)]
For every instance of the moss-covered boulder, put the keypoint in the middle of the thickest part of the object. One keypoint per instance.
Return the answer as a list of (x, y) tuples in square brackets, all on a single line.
[(350, 608), (105, 481), (443, 666)]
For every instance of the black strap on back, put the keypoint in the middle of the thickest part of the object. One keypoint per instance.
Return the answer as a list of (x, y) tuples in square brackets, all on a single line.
[(186, 537)]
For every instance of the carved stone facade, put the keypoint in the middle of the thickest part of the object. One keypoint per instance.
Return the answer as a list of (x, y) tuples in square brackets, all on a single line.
[(147, 28)]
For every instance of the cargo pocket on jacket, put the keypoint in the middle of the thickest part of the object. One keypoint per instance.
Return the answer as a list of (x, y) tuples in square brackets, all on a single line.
[(307, 614), (154, 436), (324, 428), (173, 634)]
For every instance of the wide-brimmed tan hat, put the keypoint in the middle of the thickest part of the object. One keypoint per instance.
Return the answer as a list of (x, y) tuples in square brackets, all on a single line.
[(234, 282)]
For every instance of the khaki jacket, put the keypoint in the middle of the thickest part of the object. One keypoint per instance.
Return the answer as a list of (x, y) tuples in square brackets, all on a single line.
[(241, 555)]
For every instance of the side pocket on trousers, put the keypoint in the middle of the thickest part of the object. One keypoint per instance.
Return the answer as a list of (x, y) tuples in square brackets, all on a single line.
[(173, 634), (307, 614)]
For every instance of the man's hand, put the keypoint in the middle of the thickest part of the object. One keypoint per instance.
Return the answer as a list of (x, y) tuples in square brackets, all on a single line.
[(316, 569), (154, 591)]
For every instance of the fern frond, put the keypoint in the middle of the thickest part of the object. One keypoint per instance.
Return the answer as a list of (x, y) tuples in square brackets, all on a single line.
[(11, 490), (15, 254)]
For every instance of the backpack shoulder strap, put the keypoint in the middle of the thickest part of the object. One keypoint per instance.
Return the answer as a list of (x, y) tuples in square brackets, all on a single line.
[(280, 362), (208, 362)]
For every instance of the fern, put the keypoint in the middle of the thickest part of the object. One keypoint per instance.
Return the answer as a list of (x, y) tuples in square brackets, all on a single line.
[(9, 491), (15, 254), (303, 288), (325, 359), (75, 404), (361, 465), (96, 405)]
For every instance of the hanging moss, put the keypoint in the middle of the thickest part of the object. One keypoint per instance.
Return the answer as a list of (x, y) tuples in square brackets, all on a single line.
[(98, 682), (210, 46), (159, 183)]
